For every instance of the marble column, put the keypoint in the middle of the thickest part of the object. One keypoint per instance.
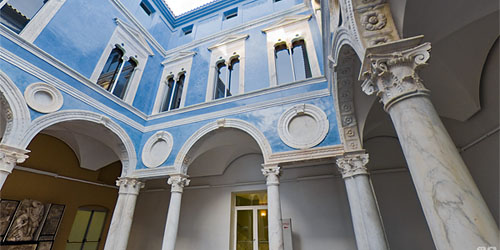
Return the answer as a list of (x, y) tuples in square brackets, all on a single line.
[(366, 219), (455, 211), (9, 157), (272, 173), (121, 222), (178, 182)]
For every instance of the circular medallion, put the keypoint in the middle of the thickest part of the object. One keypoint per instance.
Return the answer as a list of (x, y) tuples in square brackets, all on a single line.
[(303, 126), (157, 149), (43, 98)]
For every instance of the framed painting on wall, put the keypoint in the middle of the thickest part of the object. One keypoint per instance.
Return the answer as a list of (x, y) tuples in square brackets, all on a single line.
[(52, 222)]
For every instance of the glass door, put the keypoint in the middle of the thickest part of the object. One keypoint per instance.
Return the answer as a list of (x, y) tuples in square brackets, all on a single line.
[(251, 228)]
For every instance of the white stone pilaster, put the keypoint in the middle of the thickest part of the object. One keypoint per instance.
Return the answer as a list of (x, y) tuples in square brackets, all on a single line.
[(272, 173), (121, 223), (455, 211), (177, 182), (366, 219), (9, 157)]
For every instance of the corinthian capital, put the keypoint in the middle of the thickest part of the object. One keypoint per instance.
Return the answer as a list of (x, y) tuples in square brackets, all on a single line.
[(391, 70), (351, 165), (178, 182), (129, 185), (10, 156), (272, 173)]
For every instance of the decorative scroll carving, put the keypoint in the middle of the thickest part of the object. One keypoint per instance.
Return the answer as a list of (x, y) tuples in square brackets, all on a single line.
[(10, 156), (392, 73), (351, 165), (178, 182), (272, 174), (129, 185)]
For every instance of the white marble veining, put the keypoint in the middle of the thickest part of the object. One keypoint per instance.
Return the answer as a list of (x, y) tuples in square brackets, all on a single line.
[(457, 215), (366, 219)]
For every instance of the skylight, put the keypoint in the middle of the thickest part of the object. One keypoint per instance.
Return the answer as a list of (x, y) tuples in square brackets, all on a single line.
[(179, 7)]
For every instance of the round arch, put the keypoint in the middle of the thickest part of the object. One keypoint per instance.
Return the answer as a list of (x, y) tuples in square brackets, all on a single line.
[(18, 115), (182, 160), (125, 152)]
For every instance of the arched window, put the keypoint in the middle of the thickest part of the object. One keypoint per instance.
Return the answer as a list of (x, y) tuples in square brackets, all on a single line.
[(292, 64), (300, 61), (228, 78), (87, 228), (284, 71), (173, 93), (116, 73)]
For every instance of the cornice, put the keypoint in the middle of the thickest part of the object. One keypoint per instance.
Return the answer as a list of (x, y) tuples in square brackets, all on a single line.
[(229, 39), (287, 21), (136, 35)]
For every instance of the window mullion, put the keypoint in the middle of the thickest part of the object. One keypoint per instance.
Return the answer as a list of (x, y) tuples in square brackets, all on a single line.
[(174, 86), (87, 230), (290, 51), (228, 79), (118, 75)]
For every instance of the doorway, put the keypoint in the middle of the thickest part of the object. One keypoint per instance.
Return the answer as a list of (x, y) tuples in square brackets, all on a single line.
[(250, 222)]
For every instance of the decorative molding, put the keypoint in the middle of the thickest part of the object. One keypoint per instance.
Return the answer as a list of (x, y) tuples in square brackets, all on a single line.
[(178, 64), (288, 20), (157, 149), (10, 156), (345, 78), (135, 34), (230, 47), (272, 173), (229, 39), (28, 67), (182, 160), (158, 172), (306, 154), (352, 165), (56, 82), (288, 30), (241, 110), (129, 186), (373, 20), (299, 117), (139, 27), (125, 150), (15, 110), (279, 88), (43, 98), (178, 182), (391, 70), (299, 8)]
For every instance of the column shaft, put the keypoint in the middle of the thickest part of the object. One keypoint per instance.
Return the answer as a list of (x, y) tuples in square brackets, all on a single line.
[(456, 213), (121, 222), (453, 206), (172, 225), (274, 218), (274, 207), (366, 219), (177, 182)]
